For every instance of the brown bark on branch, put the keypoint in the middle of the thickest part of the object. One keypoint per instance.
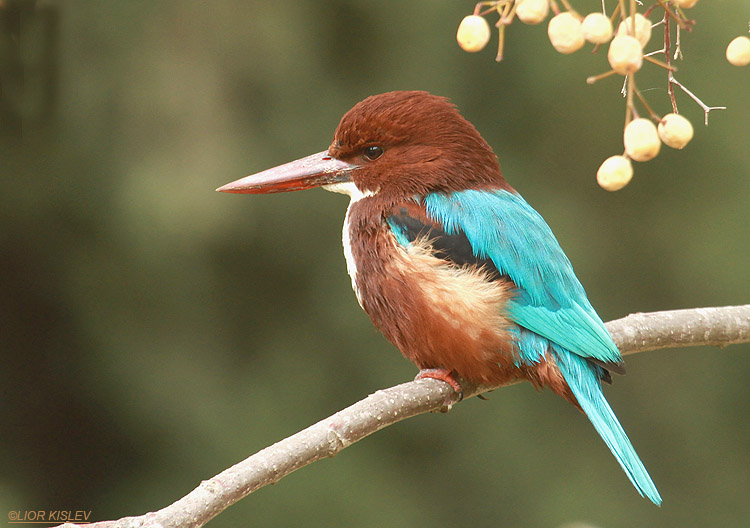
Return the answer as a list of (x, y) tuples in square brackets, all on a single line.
[(632, 334)]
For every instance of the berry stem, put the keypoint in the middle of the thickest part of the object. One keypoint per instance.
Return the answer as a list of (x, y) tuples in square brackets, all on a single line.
[(595, 78), (681, 21), (506, 18), (500, 40), (491, 6), (614, 13), (629, 108), (659, 63), (569, 7)]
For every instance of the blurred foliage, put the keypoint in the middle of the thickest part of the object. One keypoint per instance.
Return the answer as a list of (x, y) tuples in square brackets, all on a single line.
[(154, 332)]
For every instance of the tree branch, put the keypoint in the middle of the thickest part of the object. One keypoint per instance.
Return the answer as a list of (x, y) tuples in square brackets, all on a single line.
[(635, 333), (641, 332)]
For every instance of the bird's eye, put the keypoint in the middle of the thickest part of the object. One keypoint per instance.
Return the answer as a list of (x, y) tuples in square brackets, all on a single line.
[(372, 153)]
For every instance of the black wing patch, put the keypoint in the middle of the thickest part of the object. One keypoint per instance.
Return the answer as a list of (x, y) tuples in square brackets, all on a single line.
[(455, 248)]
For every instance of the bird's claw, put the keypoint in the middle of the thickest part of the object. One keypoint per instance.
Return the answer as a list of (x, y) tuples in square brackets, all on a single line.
[(446, 376)]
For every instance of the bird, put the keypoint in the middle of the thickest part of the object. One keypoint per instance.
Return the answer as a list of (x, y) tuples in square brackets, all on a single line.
[(452, 265)]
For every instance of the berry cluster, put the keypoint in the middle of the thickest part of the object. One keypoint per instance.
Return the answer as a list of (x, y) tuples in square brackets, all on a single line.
[(568, 31)]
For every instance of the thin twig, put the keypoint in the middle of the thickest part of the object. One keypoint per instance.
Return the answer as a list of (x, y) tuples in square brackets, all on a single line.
[(668, 60), (706, 108)]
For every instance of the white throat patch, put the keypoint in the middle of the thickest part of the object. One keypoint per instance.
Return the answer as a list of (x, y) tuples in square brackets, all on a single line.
[(350, 189)]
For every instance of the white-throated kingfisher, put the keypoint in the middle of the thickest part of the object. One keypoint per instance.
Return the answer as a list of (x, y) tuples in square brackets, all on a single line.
[(452, 265)]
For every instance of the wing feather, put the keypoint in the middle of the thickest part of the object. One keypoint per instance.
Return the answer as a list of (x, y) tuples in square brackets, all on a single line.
[(502, 227)]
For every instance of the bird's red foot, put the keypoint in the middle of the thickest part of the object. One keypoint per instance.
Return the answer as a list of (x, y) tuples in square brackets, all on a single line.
[(442, 375)]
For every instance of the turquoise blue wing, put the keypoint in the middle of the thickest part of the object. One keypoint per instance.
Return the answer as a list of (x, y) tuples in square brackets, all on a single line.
[(551, 302)]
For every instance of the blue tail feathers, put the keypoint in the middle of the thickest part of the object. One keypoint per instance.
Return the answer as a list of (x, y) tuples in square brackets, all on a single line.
[(584, 382)]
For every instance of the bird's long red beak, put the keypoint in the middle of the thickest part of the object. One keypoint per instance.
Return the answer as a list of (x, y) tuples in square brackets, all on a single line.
[(312, 171)]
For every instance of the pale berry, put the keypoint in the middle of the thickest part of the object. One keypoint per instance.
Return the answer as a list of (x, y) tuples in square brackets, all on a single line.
[(615, 173), (685, 4), (675, 131), (532, 11), (738, 51), (564, 31), (642, 28), (641, 140), (473, 33), (625, 54), (596, 28)]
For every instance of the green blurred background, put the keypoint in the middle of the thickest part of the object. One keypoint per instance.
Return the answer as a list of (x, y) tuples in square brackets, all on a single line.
[(154, 332)]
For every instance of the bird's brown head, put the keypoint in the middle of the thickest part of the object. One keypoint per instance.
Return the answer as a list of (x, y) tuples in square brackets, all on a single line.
[(396, 144)]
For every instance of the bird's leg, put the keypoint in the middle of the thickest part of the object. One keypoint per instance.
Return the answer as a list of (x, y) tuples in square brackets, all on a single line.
[(445, 375)]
